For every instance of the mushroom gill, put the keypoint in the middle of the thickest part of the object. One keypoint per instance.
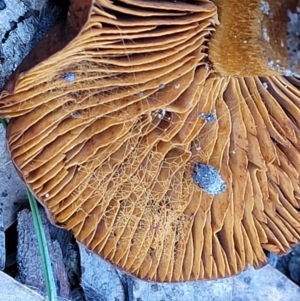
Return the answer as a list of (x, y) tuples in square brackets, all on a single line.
[(165, 167)]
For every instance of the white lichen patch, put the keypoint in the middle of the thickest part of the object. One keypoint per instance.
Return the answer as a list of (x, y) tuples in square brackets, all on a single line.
[(190, 105), (282, 70), (265, 34), (192, 217), (161, 114)]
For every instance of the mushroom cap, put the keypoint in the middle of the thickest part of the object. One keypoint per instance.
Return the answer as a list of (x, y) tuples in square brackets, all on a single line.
[(155, 162)]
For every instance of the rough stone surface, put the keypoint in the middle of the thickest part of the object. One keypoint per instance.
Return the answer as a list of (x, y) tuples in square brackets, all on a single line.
[(29, 259), (12, 188), (12, 195), (289, 265), (266, 284), (12, 290), (99, 280)]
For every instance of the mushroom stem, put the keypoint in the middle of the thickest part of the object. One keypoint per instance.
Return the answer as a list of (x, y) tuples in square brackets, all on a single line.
[(258, 37)]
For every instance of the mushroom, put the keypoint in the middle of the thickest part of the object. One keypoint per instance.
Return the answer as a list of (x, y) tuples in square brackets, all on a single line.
[(142, 137)]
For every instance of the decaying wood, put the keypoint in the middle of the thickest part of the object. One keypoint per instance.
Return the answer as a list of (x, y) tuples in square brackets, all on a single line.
[(29, 260), (59, 34), (18, 22)]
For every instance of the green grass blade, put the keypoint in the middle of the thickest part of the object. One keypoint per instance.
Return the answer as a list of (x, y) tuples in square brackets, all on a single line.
[(42, 242), (4, 122), (46, 262)]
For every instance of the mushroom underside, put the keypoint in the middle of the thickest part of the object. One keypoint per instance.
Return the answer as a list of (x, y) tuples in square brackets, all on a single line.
[(110, 135)]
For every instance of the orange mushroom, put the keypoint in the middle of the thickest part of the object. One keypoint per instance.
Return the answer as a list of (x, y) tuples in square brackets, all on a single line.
[(160, 157)]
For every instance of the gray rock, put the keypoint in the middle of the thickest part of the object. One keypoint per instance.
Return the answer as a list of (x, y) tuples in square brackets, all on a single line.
[(266, 284), (12, 189), (29, 261), (99, 280), (11, 290)]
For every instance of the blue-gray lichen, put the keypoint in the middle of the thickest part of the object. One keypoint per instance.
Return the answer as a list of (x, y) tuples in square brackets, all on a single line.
[(208, 178), (210, 117), (69, 77)]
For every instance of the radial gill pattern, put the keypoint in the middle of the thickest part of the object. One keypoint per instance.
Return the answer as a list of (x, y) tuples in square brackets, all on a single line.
[(156, 163)]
